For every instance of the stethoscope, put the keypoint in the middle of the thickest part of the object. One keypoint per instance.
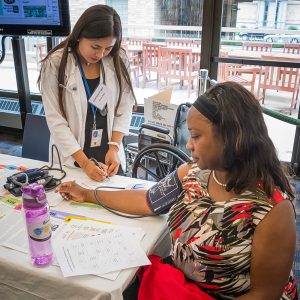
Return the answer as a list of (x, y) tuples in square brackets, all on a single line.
[(112, 210)]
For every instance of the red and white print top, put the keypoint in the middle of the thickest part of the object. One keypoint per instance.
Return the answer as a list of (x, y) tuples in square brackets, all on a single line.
[(212, 241)]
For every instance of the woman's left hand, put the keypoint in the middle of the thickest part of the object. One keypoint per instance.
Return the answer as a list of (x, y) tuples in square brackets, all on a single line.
[(112, 160)]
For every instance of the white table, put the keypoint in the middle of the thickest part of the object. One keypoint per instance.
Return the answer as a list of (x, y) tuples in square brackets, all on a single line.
[(21, 280)]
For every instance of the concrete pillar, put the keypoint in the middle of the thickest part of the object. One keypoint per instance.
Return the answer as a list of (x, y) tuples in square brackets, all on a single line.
[(281, 19), (146, 11), (260, 13)]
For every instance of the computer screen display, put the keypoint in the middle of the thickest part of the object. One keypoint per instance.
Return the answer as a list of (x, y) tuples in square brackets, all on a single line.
[(34, 17)]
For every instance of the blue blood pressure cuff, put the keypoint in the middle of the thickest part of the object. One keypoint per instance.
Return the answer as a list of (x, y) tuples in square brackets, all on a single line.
[(162, 195)]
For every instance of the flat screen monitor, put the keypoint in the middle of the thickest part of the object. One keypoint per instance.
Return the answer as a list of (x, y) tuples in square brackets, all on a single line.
[(34, 17)]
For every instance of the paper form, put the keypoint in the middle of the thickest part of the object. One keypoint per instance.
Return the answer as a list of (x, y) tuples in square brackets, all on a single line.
[(13, 230), (111, 182), (70, 218), (78, 229), (4, 210), (53, 198), (115, 182), (13, 233), (61, 214), (7, 204), (111, 251), (10, 201), (91, 206)]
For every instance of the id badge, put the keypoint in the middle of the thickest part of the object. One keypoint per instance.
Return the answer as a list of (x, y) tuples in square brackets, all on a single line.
[(96, 137), (100, 96)]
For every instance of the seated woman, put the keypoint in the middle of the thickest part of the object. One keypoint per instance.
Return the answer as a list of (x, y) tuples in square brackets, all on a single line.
[(231, 217)]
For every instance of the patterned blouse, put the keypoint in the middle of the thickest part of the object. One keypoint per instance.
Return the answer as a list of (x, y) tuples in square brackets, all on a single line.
[(212, 240)]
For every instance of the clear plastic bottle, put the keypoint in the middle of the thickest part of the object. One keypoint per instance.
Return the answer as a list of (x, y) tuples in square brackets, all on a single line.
[(37, 217)]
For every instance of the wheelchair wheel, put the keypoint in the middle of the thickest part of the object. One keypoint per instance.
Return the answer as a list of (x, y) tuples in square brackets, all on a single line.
[(156, 161)]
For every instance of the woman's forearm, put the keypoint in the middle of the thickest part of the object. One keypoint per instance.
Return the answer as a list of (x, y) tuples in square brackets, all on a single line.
[(80, 157), (116, 137), (127, 201)]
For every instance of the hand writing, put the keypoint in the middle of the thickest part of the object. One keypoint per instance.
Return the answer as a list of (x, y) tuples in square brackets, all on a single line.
[(112, 160), (95, 172)]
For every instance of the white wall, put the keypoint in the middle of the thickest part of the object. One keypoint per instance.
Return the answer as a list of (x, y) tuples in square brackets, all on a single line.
[(143, 12), (247, 14)]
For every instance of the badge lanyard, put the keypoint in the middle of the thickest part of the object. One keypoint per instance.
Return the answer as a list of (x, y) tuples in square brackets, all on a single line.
[(94, 109)]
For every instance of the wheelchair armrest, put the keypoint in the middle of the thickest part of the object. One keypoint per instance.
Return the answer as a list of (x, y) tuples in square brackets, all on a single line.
[(155, 128), (132, 134)]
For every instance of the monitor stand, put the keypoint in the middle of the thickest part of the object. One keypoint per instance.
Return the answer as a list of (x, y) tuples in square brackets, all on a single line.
[(20, 63)]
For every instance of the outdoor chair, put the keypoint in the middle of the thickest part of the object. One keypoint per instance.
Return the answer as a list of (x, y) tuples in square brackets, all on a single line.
[(196, 44), (257, 46), (151, 55), (179, 64), (135, 63), (137, 41), (280, 79), (243, 75), (179, 42), (292, 48), (254, 46)]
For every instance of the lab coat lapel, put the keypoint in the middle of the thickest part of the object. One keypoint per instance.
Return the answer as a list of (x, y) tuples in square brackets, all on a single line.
[(111, 83), (76, 87)]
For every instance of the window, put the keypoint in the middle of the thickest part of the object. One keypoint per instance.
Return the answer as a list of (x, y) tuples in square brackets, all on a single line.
[(7, 70), (168, 23), (261, 31), (121, 6)]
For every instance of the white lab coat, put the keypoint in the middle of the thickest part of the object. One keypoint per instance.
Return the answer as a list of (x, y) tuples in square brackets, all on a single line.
[(69, 134)]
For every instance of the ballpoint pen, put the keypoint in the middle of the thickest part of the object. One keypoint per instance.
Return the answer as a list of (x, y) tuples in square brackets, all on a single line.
[(99, 166)]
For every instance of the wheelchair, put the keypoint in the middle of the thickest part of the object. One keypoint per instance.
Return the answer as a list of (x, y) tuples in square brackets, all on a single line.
[(157, 152)]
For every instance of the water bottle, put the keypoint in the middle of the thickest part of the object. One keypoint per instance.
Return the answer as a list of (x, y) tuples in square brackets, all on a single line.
[(37, 217)]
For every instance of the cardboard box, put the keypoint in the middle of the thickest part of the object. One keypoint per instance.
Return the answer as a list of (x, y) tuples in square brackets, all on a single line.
[(158, 110)]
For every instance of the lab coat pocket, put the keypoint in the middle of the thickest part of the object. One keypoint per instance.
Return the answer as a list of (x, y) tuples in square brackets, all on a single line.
[(72, 87), (70, 84), (70, 93)]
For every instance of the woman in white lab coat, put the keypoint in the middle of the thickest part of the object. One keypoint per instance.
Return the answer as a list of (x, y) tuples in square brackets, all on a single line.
[(89, 65)]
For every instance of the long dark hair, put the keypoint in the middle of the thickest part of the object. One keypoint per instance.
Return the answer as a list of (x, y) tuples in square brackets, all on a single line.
[(98, 21), (249, 155)]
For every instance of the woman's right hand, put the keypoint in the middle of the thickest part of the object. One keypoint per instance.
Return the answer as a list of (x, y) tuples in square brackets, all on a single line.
[(94, 172)]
